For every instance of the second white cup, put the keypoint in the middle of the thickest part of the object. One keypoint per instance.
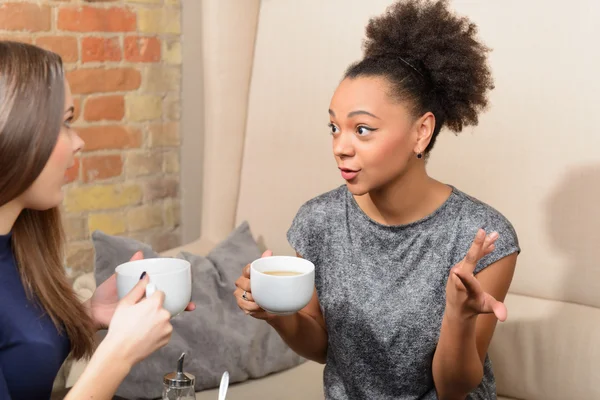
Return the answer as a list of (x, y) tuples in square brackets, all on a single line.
[(172, 276)]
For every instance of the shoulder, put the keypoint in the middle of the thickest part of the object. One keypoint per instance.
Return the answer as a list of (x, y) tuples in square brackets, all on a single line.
[(325, 205), (309, 226), (474, 214)]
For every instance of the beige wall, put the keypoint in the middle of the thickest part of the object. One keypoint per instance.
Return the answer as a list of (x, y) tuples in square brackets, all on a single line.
[(534, 156)]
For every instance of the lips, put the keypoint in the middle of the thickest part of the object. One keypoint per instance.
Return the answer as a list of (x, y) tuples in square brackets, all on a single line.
[(349, 174)]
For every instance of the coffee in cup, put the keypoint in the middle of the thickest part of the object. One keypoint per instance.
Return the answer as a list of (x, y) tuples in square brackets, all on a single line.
[(172, 276), (282, 285)]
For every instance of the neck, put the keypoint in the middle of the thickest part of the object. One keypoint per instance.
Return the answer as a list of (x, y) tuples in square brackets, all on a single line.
[(410, 197), (8, 215)]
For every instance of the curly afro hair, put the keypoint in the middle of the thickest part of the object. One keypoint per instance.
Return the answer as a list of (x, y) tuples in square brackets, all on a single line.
[(432, 59)]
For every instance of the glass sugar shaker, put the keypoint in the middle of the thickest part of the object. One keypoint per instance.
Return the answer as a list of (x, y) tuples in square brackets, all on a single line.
[(179, 385)]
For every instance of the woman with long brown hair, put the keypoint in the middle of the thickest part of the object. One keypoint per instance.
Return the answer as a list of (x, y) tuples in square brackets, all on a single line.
[(41, 319)]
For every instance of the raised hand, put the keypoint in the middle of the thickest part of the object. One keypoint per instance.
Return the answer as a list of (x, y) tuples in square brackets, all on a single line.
[(464, 296)]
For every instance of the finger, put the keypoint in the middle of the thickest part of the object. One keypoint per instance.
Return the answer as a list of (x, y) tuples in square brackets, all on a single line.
[(137, 256), (491, 305), (243, 283), (158, 297), (248, 306), (471, 284), (190, 307), (489, 249), (474, 253), (246, 272), (248, 296), (490, 240), (267, 253), (138, 291)]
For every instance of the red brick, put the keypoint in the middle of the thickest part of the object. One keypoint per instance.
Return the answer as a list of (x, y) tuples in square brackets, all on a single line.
[(92, 19), (65, 46), (110, 137), (73, 172), (142, 49), (24, 17), (101, 80), (97, 168), (100, 49), (110, 108), (77, 106), (17, 38)]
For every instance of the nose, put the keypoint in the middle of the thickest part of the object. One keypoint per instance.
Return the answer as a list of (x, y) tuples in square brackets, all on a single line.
[(343, 146), (77, 142)]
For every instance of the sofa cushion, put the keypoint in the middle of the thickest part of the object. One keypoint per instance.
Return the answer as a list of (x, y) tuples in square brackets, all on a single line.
[(217, 336), (547, 350)]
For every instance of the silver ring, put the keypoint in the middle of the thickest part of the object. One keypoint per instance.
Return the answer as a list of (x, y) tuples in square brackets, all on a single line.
[(244, 296)]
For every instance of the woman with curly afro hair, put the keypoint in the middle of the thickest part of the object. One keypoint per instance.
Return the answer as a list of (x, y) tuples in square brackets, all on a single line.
[(410, 272)]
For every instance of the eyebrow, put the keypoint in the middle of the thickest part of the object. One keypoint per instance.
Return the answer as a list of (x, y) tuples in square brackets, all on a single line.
[(72, 109), (354, 113)]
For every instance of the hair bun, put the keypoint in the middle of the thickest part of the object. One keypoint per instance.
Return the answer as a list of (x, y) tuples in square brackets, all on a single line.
[(443, 47)]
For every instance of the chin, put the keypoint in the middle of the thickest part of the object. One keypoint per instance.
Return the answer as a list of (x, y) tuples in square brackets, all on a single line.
[(49, 203), (357, 188)]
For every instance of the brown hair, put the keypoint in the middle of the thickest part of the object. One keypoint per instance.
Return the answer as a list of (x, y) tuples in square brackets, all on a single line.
[(32, 99), (433, 60)]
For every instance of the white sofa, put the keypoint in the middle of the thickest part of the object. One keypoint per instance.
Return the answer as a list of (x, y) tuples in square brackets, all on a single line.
[(269, 69)]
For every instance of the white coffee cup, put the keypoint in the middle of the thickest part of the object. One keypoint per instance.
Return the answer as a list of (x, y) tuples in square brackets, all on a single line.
[(172, 276), (282, 294)]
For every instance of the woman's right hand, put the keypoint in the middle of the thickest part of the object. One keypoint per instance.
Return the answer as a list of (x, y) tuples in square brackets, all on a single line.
[(243, 290), (139, 326)]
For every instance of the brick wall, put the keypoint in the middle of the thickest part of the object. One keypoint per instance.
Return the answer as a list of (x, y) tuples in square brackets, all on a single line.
[(123, 61)]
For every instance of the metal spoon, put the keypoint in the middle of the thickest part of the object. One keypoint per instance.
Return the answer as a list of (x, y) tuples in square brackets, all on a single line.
[(224, 385)]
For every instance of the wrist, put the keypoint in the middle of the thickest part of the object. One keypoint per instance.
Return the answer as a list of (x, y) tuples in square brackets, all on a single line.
[(457, 316), (277, 321), (113, 352), (89, 310)]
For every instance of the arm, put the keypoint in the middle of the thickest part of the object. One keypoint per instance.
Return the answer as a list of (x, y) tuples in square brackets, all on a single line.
[(138, 327), (464, 338), (4, 394), (103, 375), (304, 331)]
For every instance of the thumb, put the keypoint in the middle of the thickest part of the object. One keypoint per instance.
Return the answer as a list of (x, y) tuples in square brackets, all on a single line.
[(137, 256), (267, 253), (138, 291)]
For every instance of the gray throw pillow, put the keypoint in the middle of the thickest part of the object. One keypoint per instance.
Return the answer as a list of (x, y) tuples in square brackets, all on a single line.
[(217, 336)]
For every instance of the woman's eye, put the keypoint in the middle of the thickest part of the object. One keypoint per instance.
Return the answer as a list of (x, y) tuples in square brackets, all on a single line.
[(68, 122), (364, 131), (334, 129)]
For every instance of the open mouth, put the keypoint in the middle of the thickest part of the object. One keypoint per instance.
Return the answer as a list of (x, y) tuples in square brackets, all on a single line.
[(349, 174)]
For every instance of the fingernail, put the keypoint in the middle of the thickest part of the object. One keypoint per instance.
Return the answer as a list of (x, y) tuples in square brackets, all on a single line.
[(493, 235), (480, 233), (143, 275)]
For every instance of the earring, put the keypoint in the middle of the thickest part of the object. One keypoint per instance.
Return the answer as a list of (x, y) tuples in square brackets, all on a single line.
[(419, 155)]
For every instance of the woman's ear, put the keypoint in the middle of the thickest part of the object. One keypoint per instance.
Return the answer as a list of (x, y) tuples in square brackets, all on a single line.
[(424, 126)]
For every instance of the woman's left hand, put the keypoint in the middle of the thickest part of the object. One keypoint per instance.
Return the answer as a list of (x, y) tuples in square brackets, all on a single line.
[(464, 296), (105, 299)]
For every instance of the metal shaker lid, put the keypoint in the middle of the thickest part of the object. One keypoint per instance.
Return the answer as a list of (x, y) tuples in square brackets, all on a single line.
[(179, 378)]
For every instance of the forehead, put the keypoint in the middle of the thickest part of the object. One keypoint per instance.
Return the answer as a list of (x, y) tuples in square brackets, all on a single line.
[(68, 95), (364, 93)]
